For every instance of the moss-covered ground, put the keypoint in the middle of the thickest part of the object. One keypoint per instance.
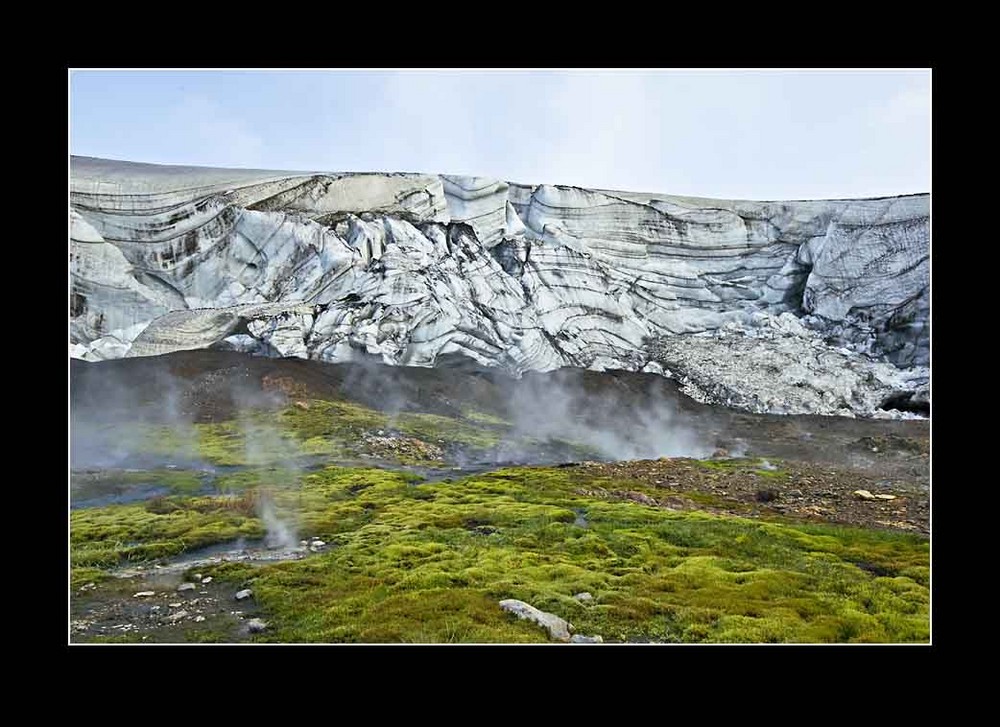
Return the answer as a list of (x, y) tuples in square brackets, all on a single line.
[(411, 561)]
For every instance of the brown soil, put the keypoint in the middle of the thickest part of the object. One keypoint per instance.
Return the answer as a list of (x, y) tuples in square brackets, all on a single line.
[(797, 491)]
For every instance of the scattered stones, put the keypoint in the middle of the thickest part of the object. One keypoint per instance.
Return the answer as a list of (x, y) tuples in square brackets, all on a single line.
[(256, 625), (581, 639), (304, 543), (392, 445), (143, 594), (174, 605), (866, 495), (185, 587), (176, 616), (557, 627), (196, 577), (206, 580), (316, 545), (88, 586), (199, 619), (766, 495), (244, 594), (642, 498), (584, 596)]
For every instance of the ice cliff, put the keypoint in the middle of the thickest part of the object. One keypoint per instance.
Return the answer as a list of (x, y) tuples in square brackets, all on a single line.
[(800, 306)]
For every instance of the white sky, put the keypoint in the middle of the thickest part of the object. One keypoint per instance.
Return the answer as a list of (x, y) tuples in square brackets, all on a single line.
[(730, 134)]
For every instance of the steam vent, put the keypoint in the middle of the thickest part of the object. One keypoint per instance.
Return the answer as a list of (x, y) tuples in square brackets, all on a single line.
[(788, 307)]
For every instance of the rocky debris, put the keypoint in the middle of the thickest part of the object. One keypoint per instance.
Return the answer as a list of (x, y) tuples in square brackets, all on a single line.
[(890, 443), (584, 597), (769, 364), (199, 618), (206, 580), (143, 594), (88, 587), (581, 639), (177, 616), (186, 587), (195, 577), (641, 498), (316, 545), (866, 495), (797, 490), (244, 594), (557, 627), (394, 446), (256, 625)]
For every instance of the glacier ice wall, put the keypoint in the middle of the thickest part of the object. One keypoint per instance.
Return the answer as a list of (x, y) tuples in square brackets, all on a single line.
[(428, 270)]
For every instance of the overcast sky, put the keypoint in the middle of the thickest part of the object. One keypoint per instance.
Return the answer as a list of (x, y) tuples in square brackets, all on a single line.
[(727, 134)]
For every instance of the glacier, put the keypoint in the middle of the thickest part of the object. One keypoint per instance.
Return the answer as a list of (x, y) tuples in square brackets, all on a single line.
[(811, 306)]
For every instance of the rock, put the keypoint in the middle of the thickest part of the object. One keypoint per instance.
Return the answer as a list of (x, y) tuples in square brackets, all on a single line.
[(196, 577), (317, 544), (199, 619), (186, 587), (584, 596), (244, 594), (256, 625), (143, 594), (206, 580), (641, 498), (557, 627), (304, 543), (885, 497), (735, 298), (177, 616), (720, 453), (863, 495), (581, 639)]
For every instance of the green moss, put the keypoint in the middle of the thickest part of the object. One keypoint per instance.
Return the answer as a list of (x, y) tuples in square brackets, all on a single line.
[(84, 575), (162, 527), (428, 562), (483, 418)]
